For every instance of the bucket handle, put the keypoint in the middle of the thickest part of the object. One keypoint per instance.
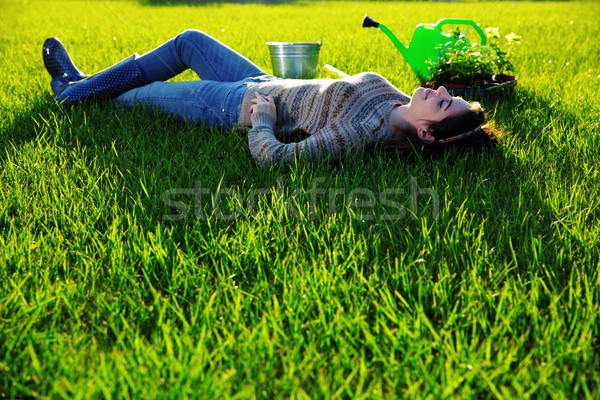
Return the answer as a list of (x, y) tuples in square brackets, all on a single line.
[(458, 21)]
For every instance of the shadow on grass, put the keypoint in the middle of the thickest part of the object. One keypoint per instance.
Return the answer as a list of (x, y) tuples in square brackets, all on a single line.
[(549, 155), (145, 150), (145, 153), (150, 145)]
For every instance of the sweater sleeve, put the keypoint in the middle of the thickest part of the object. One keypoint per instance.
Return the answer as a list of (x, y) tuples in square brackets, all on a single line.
[(330, 142)]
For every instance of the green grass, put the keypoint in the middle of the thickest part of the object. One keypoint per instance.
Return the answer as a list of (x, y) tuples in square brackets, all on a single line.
[(495, 295)]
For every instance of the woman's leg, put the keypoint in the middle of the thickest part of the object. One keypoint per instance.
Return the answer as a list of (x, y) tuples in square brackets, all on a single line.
[(215, 100), (211, 103), (209, 58)]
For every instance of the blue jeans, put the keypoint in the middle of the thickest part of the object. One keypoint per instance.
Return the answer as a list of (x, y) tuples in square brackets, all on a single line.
[(215, 100)]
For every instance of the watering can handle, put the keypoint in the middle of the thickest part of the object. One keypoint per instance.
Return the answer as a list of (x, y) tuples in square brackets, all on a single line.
[(456, 21)]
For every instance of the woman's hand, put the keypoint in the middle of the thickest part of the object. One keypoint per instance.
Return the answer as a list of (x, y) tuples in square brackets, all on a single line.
[(263, 104)]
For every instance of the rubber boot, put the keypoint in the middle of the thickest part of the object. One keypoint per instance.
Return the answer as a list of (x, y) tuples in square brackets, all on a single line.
[(111, 82), (58, 63)]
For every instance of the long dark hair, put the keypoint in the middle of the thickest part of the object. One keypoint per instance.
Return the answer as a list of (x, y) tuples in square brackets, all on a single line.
[(448, 128)]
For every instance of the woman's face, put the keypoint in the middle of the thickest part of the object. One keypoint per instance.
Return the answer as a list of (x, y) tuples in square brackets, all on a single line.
[(430, 106)]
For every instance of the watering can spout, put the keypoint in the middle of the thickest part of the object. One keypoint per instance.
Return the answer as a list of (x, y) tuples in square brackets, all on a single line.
[(369, 22)]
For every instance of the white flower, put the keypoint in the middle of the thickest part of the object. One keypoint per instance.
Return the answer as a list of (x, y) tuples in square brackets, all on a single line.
[(492, 32), (513, 38)]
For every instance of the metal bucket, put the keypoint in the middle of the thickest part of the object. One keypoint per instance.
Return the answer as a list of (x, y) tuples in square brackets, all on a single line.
[(297, 60)]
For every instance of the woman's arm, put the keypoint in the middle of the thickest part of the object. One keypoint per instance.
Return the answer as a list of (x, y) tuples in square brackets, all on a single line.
[(267, 150), (332, 141)]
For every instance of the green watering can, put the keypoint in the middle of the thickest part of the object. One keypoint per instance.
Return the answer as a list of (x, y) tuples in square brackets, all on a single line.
[(424, 42)]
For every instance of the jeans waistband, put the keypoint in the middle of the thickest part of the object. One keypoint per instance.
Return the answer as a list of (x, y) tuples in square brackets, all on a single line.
[(235, 98)]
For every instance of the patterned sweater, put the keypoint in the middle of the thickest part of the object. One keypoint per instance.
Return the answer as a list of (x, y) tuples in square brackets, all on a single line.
[(340, 115)]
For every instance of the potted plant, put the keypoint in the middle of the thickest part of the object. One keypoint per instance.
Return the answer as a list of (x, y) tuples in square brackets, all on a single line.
[(467, 68), (501, 59)]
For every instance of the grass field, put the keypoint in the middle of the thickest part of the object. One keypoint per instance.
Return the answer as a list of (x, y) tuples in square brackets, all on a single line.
[(116, 281)]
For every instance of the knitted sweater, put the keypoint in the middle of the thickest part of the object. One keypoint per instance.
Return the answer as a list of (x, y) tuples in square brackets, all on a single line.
[(340, 115)]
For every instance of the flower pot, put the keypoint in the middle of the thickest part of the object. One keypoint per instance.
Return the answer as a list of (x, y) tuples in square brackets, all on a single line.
[(478, 89), (501, 78), (454, 86), (446, 85)]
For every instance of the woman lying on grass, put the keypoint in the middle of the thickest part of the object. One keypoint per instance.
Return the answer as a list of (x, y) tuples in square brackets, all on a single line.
[(339, 115)]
